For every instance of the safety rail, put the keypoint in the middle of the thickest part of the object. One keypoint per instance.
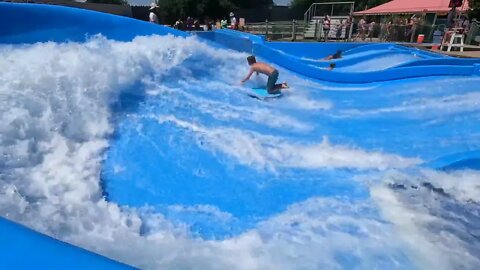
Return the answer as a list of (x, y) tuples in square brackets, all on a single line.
[(473, 36), (313, 10), (278, 30)]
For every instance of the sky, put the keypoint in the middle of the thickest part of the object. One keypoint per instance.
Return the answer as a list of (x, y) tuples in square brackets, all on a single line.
[(147, 2)]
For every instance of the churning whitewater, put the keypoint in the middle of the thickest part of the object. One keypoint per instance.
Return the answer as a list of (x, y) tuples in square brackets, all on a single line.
[(344, 198)]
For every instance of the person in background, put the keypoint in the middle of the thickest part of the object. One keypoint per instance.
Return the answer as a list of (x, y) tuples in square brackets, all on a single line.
[(451, 18), (362, 24), (179, 25), (383, 31), (336, 55), (236, 26), (152, 16), (326, 27), (338, 34), (464, 23), (223, 23), (211, 25), (196, 25), (371, 28), (331, 66), (268, 70), (411, 28), (189, 23), (388, 31), (348, 26), (233, 21)]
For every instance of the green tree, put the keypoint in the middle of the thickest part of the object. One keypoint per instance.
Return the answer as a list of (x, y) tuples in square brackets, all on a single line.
[(474, 8), (171, 10), (114, 2), (252, 3)]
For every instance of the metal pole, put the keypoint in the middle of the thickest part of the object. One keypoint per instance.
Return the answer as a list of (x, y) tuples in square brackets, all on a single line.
[(412, 35), (315, 34), (294, 30), (266, 29), (350, 31), (320, 26)]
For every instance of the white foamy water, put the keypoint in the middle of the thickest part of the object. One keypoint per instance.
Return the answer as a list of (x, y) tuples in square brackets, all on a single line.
[(268, 151), (56, 119), (437, 214), (445, 106)]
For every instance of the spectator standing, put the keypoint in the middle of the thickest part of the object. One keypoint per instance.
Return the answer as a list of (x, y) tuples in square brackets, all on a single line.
[(326, 26), (383, 30), (388, 31), (411, 28), (338, 34), (223, 23), (361, 29), (152, 16), (233, 21), (348, 27), (464, 23), (371, 29), (180, 25), (196, 25), (189, 23)]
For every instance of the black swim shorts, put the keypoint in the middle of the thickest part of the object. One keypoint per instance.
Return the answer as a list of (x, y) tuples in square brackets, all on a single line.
[(272, 80)]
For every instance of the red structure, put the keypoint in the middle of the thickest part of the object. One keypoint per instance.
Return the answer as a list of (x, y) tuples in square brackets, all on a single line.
[(415, 6)]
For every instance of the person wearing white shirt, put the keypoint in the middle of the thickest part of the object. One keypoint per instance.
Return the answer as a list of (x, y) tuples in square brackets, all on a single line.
[(153, 18), (233, 20)]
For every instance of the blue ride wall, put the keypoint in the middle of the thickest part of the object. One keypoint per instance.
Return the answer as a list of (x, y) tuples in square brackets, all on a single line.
[(60, 24), (292, 57), (21, 247)]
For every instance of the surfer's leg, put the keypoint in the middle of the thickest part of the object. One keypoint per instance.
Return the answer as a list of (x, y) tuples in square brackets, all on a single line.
[(280, 86), (272, 88), (283, 85)]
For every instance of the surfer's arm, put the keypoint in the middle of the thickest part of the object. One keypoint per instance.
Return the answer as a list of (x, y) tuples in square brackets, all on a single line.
[(248, 76)]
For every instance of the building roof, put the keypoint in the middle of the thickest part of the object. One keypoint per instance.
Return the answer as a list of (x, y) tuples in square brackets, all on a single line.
[(411, 6)]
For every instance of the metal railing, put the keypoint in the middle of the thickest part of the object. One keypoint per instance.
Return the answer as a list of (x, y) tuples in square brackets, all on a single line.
[(386, 32), (381, 32), (473, 35), (286, 30), (319, 9)]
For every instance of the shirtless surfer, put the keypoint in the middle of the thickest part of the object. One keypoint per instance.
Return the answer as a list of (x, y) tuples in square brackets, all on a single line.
[(334, 56), (268, 70)]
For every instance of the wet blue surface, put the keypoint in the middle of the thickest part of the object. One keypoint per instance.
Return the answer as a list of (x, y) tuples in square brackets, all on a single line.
[(203, 154)]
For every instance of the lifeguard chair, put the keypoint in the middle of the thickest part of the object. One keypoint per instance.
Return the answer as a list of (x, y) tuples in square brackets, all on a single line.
[(453, 38)]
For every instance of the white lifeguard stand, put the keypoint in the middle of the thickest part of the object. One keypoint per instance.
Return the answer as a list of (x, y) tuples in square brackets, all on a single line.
[(456, 40)]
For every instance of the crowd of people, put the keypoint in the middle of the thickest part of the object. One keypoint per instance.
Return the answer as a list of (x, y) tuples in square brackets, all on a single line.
[(191, 24), (194, 24), (403, 29)]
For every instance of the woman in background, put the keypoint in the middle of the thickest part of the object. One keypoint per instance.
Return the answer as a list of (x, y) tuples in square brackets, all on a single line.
[(326, 27), (152, 16)]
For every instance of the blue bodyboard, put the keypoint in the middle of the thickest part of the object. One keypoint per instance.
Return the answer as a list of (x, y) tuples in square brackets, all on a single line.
[(262, 93)]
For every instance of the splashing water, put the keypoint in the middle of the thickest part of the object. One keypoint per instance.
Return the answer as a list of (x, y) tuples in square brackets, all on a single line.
[(80, 106)]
